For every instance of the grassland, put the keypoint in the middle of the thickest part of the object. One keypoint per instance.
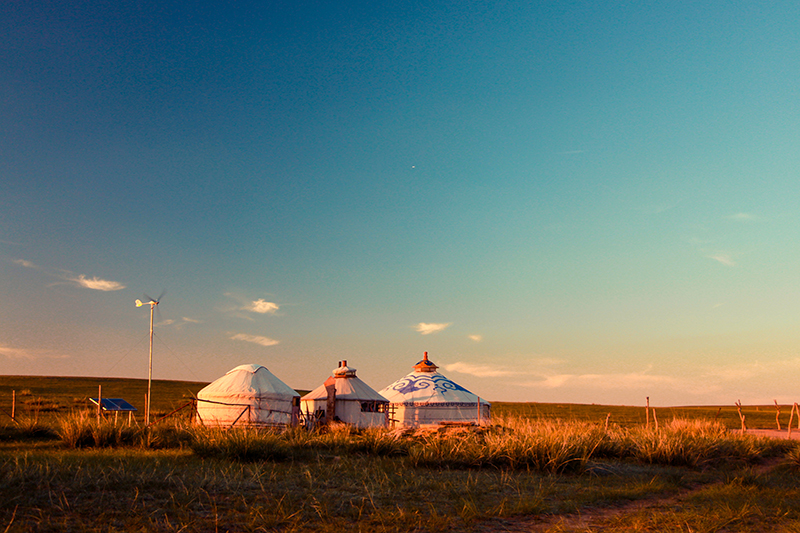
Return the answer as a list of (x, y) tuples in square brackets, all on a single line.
[(539, 467)]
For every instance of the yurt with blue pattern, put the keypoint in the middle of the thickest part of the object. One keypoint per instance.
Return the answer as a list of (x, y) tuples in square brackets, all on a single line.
[(426, 398)]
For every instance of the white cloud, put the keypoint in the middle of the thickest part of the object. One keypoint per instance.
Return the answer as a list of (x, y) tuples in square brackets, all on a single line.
[(81, 280), (475, 337), (167, 322), (98, 284), (426, 328), (725, 259), (26, 264), (190, 320), (256, 339), (477, 370), (262, 306)]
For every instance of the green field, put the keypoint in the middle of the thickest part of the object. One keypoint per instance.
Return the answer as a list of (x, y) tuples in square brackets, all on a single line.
[(756, 416), (538, 467), (45, 397)]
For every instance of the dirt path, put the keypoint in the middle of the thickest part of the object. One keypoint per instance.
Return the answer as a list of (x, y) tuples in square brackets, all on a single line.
[(596, 519)]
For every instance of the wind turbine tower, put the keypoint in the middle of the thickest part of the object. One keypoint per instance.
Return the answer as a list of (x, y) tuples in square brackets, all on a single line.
[(152, 303)]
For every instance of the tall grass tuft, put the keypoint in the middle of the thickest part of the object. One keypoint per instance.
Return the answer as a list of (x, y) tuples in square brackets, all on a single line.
[(547, 446), (696, 444), (83, 430), (245, 445)]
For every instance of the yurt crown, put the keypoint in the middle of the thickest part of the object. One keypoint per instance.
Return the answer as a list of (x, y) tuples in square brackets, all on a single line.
[(344, 371), (425, 365)]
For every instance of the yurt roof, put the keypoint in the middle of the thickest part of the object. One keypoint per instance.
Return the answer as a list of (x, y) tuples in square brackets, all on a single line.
[(247, 381), (427, 386), (348, 387)]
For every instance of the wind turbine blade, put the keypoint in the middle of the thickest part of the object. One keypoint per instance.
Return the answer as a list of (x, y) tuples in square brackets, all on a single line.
[(163, 292)]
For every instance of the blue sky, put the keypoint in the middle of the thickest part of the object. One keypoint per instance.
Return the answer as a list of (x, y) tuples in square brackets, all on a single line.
[(568, 202)]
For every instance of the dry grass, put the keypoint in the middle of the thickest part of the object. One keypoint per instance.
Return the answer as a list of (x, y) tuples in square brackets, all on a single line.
[(173, 477)]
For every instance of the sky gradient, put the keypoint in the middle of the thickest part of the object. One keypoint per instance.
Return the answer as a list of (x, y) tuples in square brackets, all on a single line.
[(562, 202)]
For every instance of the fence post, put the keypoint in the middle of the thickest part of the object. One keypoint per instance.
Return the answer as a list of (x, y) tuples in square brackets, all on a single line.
[(99, 401), (778, 414), (797, 409), (647, 412), (13, 405), (741, 416)]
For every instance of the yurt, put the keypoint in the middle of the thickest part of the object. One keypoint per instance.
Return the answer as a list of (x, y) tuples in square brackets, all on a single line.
[(248, 395), (425, 397), (344, 397)]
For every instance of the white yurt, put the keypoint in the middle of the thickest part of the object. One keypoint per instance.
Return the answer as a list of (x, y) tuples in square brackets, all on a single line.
[(248, 395), (344, 397), (425, 397)]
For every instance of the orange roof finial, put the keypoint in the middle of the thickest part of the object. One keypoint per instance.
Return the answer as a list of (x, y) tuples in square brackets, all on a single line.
[(344, 371), (425, 365)]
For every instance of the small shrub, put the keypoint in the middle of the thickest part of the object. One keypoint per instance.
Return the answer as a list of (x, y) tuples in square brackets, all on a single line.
[(75, 431), (42, 405), (163, 436), (26, 430)]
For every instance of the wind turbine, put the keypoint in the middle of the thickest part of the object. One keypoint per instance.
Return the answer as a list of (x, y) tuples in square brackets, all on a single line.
[(152, 303)]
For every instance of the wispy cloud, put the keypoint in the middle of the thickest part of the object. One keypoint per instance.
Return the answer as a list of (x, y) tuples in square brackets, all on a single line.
[(80, 280), (15, 353), (98, 284), (20, 353), (725, 259), (742, 216), (754, 370), (256, 339), (631, 380), (475, 337), (262, 306), (178, 324), (655, 209), (428, 328), (477, 370)]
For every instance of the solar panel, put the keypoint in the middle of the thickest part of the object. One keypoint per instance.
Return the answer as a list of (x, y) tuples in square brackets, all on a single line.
[(114, 404)]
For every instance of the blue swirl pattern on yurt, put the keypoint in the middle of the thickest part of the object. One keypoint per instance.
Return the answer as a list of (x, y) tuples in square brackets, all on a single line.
[(436, 382)]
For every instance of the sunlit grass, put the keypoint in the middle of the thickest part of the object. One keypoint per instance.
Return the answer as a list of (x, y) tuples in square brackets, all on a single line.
[(178, 476)]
